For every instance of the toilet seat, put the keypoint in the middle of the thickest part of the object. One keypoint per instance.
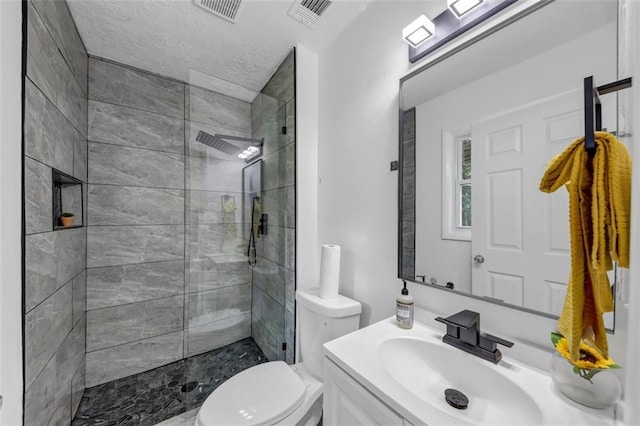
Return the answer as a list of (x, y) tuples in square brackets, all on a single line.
[(261, 395)]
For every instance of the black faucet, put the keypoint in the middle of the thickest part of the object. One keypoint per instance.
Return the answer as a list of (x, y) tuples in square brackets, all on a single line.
[(463, 332)]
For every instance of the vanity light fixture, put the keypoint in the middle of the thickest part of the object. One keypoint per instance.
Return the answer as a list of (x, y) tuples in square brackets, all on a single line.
[(461, 7), (418, 31), (461, 16)]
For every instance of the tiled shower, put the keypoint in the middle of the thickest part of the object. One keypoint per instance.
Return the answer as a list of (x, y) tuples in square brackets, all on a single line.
[(155, 269)]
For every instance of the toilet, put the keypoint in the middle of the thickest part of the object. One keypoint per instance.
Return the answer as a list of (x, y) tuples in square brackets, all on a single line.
[(277, 393)]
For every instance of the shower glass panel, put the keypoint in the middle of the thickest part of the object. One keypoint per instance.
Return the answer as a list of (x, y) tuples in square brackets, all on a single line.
[(273, 312), (239, 158), (217, 275)]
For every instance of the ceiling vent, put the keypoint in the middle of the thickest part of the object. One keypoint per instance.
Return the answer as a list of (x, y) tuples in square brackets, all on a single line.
[(226, 9), (309, 11)]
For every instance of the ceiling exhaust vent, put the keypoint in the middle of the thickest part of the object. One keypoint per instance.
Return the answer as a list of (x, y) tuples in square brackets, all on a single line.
[(309, 11), (226, 9)]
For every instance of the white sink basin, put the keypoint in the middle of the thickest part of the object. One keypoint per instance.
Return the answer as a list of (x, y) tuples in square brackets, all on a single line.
[(493, 398), (409, 371)]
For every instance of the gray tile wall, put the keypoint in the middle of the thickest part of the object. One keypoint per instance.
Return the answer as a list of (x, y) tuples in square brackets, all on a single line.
[(55, 263), (155, 205), (409, 194), (135, 217), (273, 307)]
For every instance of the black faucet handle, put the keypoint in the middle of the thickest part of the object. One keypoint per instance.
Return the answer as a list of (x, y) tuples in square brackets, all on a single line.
[(489, 342), (451, 323), (464, 319)]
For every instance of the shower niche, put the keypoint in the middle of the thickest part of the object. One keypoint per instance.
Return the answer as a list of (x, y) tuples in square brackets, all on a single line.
[(68, 197)]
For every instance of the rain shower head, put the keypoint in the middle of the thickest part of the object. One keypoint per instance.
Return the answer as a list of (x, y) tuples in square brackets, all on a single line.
[(230, 145)]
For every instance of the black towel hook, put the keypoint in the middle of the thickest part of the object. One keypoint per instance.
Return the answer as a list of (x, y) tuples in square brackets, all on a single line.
[(593, 108)]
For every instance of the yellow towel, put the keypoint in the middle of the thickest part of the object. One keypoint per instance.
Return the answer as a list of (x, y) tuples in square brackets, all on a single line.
[(599, 213)]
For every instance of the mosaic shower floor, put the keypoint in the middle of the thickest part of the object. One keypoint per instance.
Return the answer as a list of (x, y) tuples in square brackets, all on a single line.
[(148, 398)]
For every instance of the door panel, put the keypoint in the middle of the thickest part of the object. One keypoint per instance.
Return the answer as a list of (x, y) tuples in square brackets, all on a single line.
[(517, 227), (508, 288), (505, 210)]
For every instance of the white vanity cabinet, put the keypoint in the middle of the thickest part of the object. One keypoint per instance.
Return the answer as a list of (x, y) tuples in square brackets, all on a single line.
[(347, 402)]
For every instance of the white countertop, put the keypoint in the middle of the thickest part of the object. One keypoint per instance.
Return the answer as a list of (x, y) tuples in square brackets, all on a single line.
[(358, 354)]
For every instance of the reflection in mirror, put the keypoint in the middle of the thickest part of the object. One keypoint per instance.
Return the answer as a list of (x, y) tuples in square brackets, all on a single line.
[(478, 129)]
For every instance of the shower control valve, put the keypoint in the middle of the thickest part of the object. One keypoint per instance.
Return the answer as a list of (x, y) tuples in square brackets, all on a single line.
[(264, 224)]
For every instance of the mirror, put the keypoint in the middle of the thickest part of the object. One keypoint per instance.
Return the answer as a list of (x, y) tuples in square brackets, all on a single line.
[(477, 130)]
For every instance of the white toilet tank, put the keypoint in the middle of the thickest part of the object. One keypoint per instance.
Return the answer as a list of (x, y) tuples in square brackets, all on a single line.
[(321, 320)]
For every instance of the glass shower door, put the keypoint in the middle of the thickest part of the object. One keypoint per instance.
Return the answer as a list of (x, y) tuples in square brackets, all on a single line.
[(217, 340), (240, 189)]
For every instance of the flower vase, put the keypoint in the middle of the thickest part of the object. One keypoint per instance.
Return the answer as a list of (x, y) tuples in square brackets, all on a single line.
[(601, 391), (67, 221)]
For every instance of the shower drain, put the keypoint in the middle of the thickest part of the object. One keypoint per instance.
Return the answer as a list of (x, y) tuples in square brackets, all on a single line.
[(189, 386)]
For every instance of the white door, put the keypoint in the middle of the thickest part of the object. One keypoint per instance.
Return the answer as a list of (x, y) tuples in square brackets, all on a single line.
[(517, 228)]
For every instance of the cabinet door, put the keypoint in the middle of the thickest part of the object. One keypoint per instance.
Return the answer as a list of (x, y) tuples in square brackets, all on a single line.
[(346, 402)]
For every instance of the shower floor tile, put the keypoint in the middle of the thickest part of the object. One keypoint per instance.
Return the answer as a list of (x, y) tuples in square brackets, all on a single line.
[(153, 396), (185, 419)]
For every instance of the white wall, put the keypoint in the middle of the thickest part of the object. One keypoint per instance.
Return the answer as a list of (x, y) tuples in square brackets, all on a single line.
[(632, 50), (358, 137), (307, 247), (10, 212), (357, 198)]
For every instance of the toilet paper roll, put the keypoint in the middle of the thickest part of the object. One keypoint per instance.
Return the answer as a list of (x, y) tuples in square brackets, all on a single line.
[(329, 271)]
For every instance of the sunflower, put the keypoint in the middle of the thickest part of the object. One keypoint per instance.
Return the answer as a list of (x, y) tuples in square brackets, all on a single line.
[(590, 360), (589, 357)]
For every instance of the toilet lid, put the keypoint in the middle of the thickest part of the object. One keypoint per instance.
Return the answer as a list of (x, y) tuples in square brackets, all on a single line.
[(261, 395)]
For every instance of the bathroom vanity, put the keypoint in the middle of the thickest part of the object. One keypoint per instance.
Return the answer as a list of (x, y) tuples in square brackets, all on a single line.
[(386, 375)]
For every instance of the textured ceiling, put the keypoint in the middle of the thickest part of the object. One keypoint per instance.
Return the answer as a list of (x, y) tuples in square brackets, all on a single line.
[(176, 38)]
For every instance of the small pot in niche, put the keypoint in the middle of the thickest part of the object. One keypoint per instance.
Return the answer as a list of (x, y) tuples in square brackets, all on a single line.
[(67, 219)]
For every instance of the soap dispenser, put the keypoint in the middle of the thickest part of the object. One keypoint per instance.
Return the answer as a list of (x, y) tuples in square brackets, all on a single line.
[(404, 308)]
